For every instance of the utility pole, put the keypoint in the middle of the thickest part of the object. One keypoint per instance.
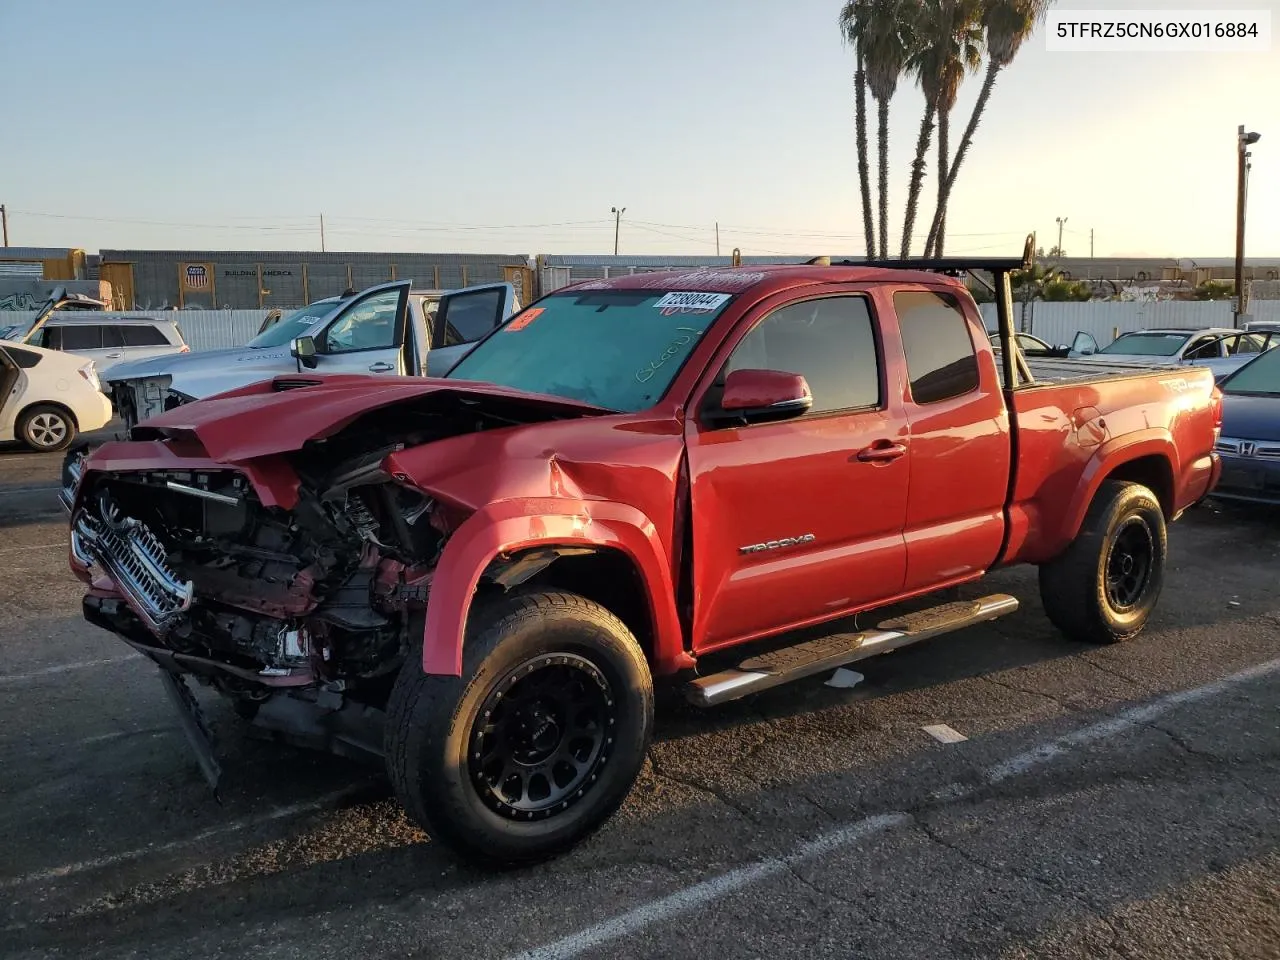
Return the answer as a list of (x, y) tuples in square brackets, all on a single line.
[(1243, 142), (617, 225), (4, 221), (1091, 243), (1062, 222), (322, 233), (717, 237)]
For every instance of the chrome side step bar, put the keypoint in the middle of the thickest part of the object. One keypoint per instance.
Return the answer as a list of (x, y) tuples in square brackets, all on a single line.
[(826, 653)]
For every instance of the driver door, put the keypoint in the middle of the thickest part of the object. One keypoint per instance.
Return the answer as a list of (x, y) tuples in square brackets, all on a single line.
[(1084, 345), (463, 318), (366, 335), (799, 520), (13, 386)]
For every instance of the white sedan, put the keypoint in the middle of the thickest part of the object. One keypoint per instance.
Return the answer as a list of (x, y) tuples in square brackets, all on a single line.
[(47, 397), (1221, 349)]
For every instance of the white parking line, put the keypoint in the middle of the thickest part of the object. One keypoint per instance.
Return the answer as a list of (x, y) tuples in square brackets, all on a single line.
[(235, 826), (64, 667), (700, 894), (35, 546)]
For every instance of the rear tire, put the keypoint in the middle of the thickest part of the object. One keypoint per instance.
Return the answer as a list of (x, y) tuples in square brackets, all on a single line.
[(538, 742), (1104, 587), (46, 428)]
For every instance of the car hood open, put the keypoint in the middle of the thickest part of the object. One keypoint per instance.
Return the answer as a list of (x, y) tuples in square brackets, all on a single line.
[(281, 415)]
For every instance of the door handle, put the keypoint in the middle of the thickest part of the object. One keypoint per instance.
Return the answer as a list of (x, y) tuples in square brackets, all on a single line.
[(882, 451), (380, 367), (114, 356)]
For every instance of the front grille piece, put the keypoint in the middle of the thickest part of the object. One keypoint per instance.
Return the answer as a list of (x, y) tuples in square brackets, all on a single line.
[(136, 561)]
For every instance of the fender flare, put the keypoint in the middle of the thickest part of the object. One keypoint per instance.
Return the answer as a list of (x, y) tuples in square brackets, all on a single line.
[(512, 525), (1109, 456)]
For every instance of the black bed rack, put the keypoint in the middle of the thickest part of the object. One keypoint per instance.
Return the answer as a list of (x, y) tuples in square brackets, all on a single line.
[(1000, 268)]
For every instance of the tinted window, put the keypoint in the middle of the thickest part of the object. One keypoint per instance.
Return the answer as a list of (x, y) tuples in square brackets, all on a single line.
[(140, 336), (1206, 348), (81, 336), (23, 358), (50, 338), (369, 324), (941, 363), (469, 316), (1146, 344), (112, 336), (829, 342)]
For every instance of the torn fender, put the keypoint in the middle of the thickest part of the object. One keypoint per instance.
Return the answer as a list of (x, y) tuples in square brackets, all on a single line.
[(511, 525)]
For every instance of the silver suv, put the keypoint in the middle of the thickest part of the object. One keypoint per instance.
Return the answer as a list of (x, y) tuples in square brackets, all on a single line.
[(111, 340)]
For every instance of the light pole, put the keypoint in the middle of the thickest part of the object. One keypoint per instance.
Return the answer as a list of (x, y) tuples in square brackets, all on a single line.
[(1243, 142), (617, 225), (1062, 222)]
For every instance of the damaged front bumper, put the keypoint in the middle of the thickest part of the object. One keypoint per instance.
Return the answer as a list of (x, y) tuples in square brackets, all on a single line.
[(135, 561), (145, 397)]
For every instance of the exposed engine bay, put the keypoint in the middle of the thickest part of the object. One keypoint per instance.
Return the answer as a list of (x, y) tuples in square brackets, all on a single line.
[(319, 604)]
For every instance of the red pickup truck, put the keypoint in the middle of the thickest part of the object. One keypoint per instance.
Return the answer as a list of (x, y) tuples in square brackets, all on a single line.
[(477, 579)]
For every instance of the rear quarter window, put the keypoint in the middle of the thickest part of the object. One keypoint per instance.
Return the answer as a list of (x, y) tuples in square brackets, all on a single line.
[(941, 362), (138, 335), (23, 358)]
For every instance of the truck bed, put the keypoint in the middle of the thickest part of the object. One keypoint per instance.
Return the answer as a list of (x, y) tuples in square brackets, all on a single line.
[(1064, 370)]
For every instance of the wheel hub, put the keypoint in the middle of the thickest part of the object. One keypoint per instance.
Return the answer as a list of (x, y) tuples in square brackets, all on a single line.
[(1129, 564), (538, 733), (541, 736)]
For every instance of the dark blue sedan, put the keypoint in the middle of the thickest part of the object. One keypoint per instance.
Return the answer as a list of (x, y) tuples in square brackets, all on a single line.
[(1250, 441)]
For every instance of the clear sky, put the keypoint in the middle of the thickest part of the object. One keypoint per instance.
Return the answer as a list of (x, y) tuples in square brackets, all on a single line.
[(458, 126)]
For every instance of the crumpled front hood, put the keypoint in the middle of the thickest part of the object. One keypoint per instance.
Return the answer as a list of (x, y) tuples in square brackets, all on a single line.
[(280, 415)]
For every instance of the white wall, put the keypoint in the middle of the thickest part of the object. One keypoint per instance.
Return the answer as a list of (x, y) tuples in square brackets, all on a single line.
[(1056, 323)]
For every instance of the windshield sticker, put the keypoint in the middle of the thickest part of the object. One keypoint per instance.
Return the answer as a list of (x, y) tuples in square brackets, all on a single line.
[(308, 320), (526, 318), (684, 337), (728, 279), (690, 302)]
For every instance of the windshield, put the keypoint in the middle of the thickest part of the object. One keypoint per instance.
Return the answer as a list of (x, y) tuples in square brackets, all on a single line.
[(618, 349), (300, 323), (1260, 376), (1147, 344)]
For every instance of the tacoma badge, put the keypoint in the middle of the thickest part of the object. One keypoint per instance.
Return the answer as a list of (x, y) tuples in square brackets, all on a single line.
[(778, 544)]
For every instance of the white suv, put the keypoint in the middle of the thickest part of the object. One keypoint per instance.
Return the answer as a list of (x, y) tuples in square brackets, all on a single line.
[(108, 340)]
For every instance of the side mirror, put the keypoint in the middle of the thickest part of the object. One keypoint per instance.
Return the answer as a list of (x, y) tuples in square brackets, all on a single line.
[(765, 394), (303, 349)]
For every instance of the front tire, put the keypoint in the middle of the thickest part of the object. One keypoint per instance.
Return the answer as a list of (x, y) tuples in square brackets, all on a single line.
[(46, 428), (538, 742), (1105, 586)]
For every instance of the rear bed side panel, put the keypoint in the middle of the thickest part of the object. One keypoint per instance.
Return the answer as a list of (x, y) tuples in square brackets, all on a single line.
[(1073, 436)]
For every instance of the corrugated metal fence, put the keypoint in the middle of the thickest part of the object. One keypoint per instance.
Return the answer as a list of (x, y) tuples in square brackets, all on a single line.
[(1058, 323)]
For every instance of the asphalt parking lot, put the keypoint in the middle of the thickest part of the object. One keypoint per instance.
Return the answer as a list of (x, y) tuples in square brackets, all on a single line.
[(1107, 803)]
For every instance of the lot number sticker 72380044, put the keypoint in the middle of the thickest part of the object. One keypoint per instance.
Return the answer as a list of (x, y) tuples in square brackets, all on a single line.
[(690, 302)]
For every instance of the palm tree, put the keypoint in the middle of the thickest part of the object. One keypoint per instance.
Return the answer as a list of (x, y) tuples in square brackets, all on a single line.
[(1008, 24), (947, 42), (888, 36), (851, 20)]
